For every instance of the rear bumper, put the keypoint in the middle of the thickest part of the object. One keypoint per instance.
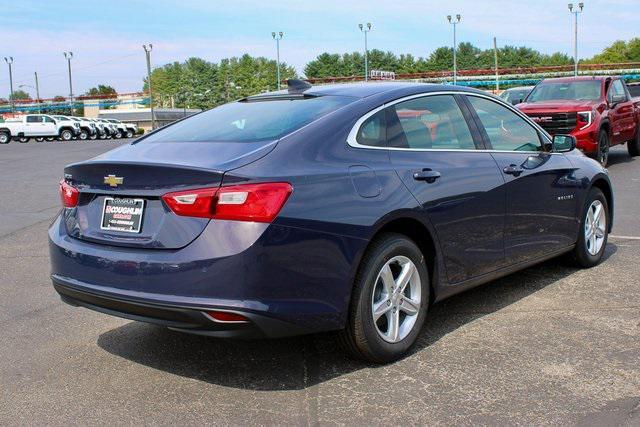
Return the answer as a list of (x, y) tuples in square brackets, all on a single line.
[(286, 280), (181, 317)]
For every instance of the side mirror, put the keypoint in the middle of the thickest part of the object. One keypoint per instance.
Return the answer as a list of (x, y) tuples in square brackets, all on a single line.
[(516, 101), (615, 100), (563, 143)]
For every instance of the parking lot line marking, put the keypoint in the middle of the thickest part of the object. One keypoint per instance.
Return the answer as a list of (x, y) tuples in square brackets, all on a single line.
[(613, 236)]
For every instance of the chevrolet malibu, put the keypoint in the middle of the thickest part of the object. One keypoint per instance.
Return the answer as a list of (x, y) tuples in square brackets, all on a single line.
[(350, 208)]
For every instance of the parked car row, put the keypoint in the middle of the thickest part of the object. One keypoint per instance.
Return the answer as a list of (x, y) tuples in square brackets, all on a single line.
[(64, 128)]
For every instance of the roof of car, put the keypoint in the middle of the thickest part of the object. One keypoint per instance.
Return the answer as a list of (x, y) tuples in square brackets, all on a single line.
[(520, 88), (579, 78), (363, 90)]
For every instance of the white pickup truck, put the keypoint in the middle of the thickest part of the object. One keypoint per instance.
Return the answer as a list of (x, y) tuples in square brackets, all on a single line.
[(37, 126), (127, 130)]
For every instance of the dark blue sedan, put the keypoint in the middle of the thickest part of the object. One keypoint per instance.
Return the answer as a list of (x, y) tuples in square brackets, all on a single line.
[(348, 208)]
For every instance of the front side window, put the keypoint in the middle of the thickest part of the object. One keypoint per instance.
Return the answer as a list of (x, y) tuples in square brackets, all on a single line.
[(506, 130), (430, 122), (48, 119), (250, 120), (616, 91)]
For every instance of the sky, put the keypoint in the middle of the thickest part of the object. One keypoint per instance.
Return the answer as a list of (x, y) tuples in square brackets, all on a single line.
[(106, 37)]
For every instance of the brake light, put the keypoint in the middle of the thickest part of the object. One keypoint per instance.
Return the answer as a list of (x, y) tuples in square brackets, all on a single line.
[(246, 202), (68, 195)]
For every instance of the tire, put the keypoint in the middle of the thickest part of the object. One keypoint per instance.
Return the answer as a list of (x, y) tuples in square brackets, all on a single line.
[(50, 138), (602, 155), (129, 133), (24, 139), (39, 139), (5, 137), (93, 136), (66, 135), (589, 251), (83, 135), (376, 340), (118, 135), (103, 135), (633, 147)]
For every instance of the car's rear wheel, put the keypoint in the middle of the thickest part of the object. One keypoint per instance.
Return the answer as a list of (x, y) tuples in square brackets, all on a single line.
[(389, 301), (594, 230), (633, 146), (129, 133), (5, 137), (602, 155)]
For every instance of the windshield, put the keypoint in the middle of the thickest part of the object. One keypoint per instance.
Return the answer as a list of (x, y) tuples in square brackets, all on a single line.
[(586, 90), (253, 120)]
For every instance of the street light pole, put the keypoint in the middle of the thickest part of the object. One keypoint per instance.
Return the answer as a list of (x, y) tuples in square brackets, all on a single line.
[(455, 60), (365, 30), (575, 34), (147, 51), (277, 38), (68, 56), (495, 62), (9, 61), (35, 73)]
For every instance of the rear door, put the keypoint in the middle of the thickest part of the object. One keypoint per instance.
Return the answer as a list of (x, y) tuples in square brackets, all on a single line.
[(540, 187), (33, 125), (439, 158)]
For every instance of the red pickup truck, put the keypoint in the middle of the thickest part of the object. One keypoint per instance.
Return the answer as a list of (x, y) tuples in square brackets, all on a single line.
[(598, 111)]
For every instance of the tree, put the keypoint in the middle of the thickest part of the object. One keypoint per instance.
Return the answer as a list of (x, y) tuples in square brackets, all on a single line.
[(619, 51), (20, 95), (101, 90)]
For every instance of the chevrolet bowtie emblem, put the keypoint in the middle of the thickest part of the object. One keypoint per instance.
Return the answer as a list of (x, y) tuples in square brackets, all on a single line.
[(113, 180)]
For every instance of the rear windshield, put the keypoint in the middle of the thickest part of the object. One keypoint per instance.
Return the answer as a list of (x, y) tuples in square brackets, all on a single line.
[(246, 121), (586, 90)]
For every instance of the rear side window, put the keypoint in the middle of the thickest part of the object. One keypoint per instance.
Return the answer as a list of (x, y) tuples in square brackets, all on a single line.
[(507, 131), (634, 90), (373, 132), (430, 122), (248, 121), (34, 119)]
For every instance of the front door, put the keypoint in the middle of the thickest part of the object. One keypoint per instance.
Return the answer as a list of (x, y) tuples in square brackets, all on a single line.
[(540, 186), (439, 158), (623, 125)]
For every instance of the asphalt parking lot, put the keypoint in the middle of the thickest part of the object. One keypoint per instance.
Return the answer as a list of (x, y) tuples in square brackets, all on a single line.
[(550, 345)]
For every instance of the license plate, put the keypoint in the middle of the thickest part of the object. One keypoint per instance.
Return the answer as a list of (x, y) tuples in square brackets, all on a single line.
[(122, 214)]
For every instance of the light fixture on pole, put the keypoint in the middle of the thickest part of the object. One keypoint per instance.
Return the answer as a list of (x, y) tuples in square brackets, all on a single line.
[(454, 22), (68, 56), (9, 61), (147, 51), (277, 37), (575, 12), (365, 29)]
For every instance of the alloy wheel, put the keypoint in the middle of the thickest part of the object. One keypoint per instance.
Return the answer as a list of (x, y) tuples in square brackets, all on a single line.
[(595, 226), (396, 299)]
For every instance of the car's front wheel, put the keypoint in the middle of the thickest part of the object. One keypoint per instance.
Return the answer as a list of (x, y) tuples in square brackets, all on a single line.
[(83, 135), (594, 230), (129, 133), (66, 135), (389, 300), (602, 155), (633, 146)]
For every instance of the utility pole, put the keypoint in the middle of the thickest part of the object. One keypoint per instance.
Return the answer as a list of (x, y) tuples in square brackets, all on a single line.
[(9, 61), (495, 62), (35, 73), (277, 38), (455, 60), (147, 51), (575, 34), (68, 56), (365, 30)]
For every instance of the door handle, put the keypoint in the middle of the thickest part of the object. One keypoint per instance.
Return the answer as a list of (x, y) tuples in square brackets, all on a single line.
[(514, 170), (427, 175)]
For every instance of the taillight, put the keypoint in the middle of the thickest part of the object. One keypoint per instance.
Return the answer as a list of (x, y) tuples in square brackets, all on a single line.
[(227, 317), (246, 202), (68, 195)]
